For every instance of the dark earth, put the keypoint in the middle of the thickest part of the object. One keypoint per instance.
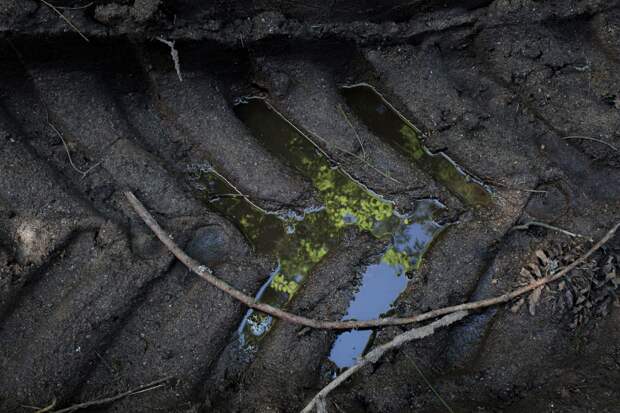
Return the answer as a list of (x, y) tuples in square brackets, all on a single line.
[(91, 304)]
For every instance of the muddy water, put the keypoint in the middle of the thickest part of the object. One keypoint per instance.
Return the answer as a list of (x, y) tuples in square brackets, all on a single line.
[(390, 125), (346, 201), (301, 242), (264, 230)]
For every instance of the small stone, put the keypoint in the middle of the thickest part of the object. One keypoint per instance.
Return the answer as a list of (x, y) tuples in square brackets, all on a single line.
[(209, 245)]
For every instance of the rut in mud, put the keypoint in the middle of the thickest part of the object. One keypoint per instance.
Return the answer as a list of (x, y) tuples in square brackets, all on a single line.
[(343, 162)]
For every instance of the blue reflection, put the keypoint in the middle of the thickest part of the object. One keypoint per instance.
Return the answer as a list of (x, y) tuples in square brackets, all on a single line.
[(382, 283)]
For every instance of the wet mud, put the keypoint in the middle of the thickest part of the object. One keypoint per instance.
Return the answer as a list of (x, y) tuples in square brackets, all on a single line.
[(341, 162)]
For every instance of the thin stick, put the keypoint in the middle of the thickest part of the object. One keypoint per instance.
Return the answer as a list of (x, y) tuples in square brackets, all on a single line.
[(513, 188), (105, 363), (338, 407), (174, 54), (359, 158), (47, 408), (303, 133), (62, 16), (588, 138), (64, 143), (140, 389), (374, 355), (548, 226), (535, 191), (428, 383), (204, 272), (359, 140), (239, 193), (75, 7)]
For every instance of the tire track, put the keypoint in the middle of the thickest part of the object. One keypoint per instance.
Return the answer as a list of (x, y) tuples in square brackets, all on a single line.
[(101, 284)]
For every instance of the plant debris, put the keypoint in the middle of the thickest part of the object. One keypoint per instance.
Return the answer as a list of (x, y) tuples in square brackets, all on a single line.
[(587, 292)]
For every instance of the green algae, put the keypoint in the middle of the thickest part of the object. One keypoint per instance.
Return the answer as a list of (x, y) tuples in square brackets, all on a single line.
[(390, 125)]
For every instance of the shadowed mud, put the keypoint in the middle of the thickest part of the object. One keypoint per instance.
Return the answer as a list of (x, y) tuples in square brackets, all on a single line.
[(344, 226)]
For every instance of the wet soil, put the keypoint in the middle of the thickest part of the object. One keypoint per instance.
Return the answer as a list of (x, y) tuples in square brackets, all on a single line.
[(299, 158)]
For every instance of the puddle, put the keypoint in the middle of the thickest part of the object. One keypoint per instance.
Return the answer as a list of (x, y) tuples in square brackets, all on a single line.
[(389, 124), (299, 243), (307, 242), (263, 229), (383, 282), (346, 201), (307, 239)]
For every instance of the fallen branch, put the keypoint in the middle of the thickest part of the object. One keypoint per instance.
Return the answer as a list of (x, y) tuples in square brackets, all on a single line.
[(62, 16), (527, 225), (140, 389), (204, 272), (374, 355)]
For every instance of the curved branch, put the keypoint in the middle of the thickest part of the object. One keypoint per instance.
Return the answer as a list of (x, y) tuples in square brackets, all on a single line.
[(206, 273)]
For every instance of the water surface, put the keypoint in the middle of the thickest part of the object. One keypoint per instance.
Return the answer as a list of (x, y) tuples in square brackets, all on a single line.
[(391, 126)]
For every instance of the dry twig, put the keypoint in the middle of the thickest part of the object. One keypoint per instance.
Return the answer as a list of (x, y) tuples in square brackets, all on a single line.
[(137, 390), (359, 158), (237, 193), (588, 138), (548, 226), (374, 355), (359, 140), (87, 5), (495, 182), (428, 383), (175, 56), (204, 272), (47, 408), (62, 16), (64, 144)]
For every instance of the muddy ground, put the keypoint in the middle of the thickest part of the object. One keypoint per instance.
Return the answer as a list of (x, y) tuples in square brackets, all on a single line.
[(91, 304)]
